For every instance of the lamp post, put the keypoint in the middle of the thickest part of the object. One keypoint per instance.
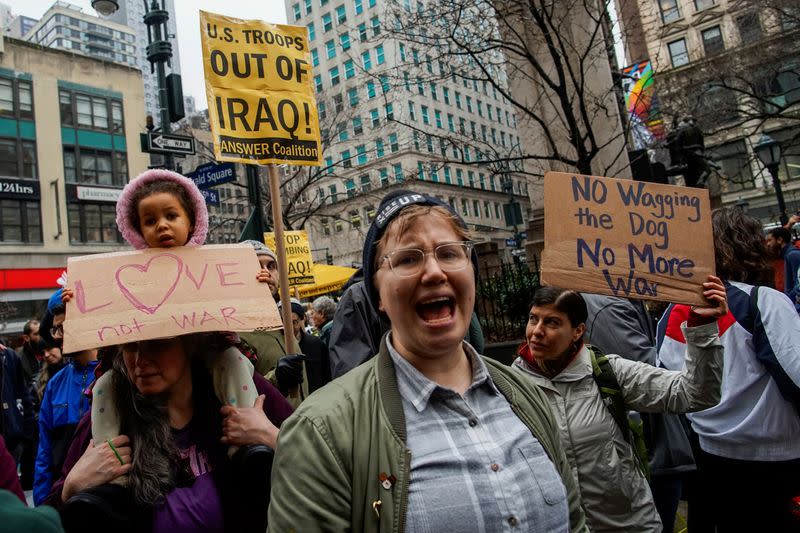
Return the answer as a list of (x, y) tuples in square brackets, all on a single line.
[(159, 53), (768, 151)]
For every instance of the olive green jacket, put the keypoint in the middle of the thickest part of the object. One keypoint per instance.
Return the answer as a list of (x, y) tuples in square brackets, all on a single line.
[(336, 449)]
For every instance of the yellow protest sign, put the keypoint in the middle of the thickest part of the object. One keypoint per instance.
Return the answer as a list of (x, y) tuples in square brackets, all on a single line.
[(261, 102), (298, 255), (626, 238)]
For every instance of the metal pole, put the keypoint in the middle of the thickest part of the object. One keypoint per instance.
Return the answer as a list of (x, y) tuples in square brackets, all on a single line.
[(283, 267), (776, 182), (159, 51)]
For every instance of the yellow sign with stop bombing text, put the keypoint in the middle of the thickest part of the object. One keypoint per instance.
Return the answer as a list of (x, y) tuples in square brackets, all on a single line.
[(261, 103), (298, 256)]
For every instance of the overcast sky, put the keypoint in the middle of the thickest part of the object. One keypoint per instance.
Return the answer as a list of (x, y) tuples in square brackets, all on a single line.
[(188, 29)]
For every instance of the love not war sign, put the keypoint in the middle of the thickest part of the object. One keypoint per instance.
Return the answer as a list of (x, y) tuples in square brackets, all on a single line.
[(626, 238), (163, 292), (260, 96)]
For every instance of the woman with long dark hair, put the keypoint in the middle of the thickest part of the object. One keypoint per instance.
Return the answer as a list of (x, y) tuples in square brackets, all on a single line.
[(748, 453), (172, 447)]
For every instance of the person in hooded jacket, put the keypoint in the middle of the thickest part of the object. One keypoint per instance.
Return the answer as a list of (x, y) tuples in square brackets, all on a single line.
[(63, 403)]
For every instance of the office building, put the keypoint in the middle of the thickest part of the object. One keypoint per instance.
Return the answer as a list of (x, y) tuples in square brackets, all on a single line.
[(392, 118)]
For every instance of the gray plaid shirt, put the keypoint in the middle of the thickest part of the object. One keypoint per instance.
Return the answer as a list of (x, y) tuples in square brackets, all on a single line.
[(474, 465)]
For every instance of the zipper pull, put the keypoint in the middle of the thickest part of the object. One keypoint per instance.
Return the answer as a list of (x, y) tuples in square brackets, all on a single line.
[(376, 506)]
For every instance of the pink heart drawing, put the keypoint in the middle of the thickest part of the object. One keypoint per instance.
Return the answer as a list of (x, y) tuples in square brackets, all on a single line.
[(137, 303)]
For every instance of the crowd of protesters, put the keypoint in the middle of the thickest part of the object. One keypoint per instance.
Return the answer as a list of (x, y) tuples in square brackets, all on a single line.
[(389, 416)]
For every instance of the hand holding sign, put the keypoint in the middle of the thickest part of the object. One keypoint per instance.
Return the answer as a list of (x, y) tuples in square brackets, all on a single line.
[(154, 293), (627, 238)]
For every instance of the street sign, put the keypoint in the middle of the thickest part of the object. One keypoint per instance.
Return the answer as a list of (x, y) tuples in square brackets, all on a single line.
[(161, 143), (523, 234), (212, 174), (512, 243), (211, 196)]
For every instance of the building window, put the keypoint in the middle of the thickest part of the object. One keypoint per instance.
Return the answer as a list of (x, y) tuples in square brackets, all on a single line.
[(314, 58), (341, 15), (365, 58), (366, 185), (344, 40), (703, 4), (297, 13), (362, 32), (359, 6), (384, 177), (361, 152), (678, 53), (90, 112), (371, 89), (311, 33), (712, 41), (16, 98), (375, 118), (358, 128), (398, 173), (376, 26), (355, 219), (352, 96), (349, 69), (318, 83), (327, 22), (420, 170), (334, 74), (464, 208), (380, 151), (749, 27), (330, 48), (425, 118), (84, 165), (17, 158), (379, 58), (334, 195), (93, 223), (389, 108), (20, 221), (350, 188), (411, 112), (735, 162), (394, 145), (669, 10)]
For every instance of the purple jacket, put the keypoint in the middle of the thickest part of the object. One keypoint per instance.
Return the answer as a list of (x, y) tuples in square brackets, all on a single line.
[(276, 408)]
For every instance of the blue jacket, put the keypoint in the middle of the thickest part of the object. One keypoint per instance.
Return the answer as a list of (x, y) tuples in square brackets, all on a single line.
[(791, 262), (63, 405), (14, 424)]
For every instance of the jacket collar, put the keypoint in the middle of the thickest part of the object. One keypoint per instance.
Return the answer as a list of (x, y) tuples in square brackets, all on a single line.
[(579, 368)]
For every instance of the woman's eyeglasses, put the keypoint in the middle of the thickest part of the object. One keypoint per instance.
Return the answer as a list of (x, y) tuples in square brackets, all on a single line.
[(58, 330), (451, 257)]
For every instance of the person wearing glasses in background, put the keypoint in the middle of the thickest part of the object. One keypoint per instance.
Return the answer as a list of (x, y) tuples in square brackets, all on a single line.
[(428, 435), (63, 402)]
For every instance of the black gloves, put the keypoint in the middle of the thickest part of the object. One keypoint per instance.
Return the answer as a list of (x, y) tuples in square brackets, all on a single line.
[(289, 372)]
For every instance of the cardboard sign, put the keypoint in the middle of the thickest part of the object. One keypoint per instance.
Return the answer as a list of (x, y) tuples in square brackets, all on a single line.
[(261, 102), (626, 238), (164, 292), (298, 256)]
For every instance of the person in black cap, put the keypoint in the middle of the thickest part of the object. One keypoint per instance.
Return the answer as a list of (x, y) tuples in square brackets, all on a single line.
[(369, 451), (358, 326)]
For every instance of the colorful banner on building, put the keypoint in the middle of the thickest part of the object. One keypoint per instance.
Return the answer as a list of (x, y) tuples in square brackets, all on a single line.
[(641, 100), (261, 102), (298, 256)]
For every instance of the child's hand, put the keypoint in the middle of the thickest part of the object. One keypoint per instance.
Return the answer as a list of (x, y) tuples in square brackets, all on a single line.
[(67, 295), (265, 276)]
